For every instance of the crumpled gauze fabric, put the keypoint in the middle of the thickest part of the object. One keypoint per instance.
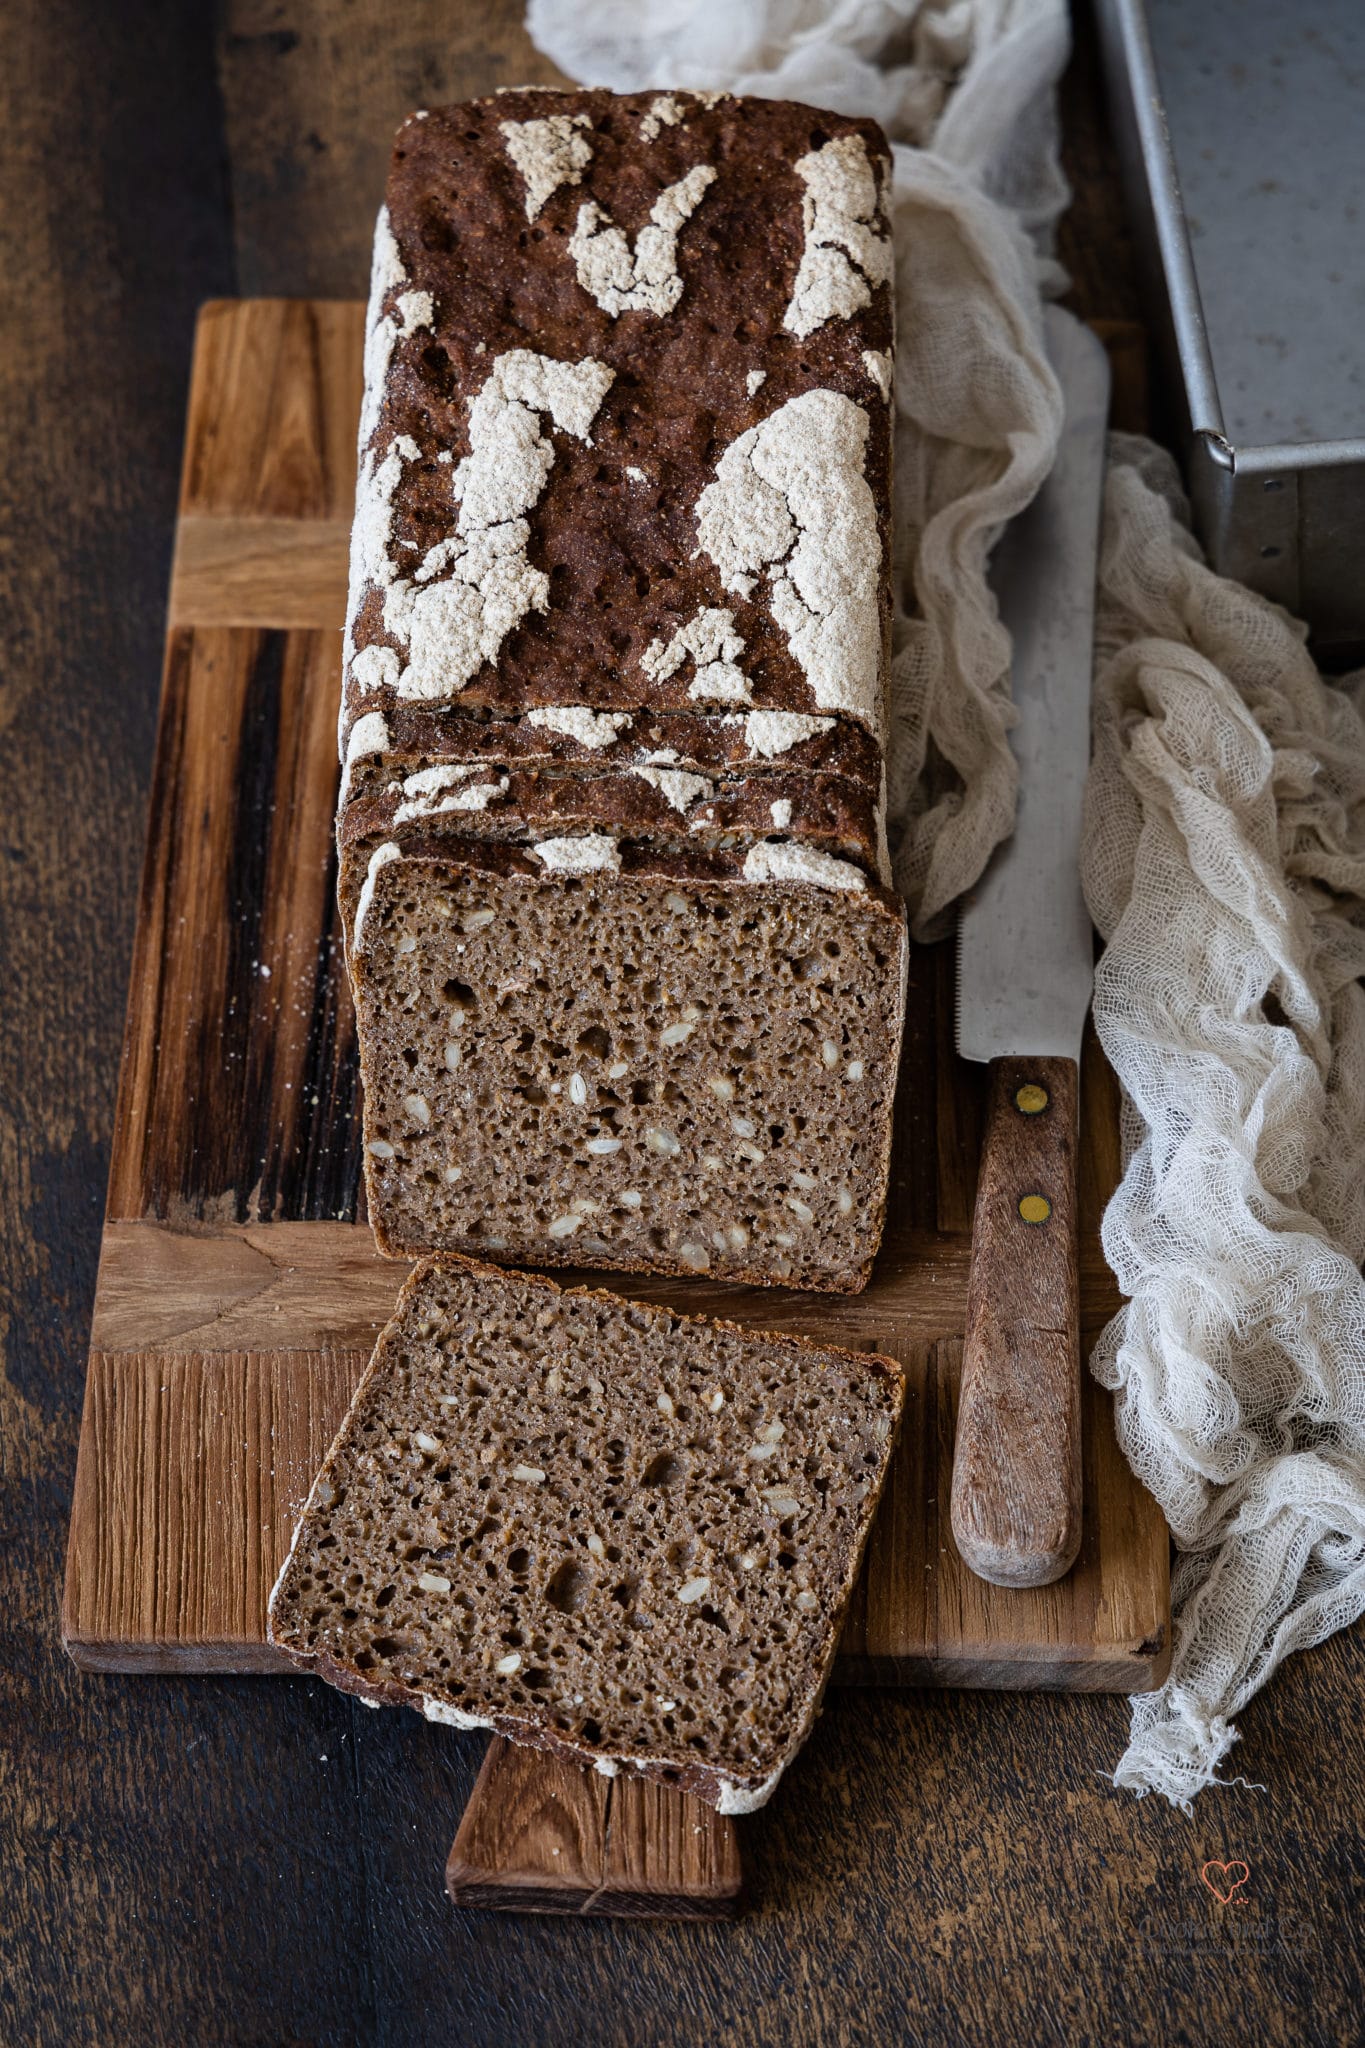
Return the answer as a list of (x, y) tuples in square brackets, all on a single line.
[(1224, 846), (1224, 864)]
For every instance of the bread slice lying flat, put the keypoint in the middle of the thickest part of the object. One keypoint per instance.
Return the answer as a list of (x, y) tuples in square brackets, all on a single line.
[(597, 1527)]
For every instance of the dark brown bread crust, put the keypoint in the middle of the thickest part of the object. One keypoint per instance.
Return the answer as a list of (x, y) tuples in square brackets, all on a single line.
[(828, 812), (645, 860), (417, 736), (734, 1789), (620, 550)]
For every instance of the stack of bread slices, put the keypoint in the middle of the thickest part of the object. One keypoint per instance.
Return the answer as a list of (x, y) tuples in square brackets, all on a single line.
[(628, 971)]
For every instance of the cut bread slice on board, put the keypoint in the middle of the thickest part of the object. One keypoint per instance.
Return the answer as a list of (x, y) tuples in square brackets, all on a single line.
[(595, 1526)]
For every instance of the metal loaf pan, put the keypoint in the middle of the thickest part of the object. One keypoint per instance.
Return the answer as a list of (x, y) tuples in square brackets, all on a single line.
[(1240, 127)]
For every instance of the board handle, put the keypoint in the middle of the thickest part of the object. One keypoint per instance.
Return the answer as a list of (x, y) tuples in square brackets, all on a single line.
[(540, 1835), (1016, 1494)]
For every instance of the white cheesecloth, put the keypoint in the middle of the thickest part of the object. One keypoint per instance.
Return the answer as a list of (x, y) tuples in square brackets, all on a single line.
[(1224, 842)]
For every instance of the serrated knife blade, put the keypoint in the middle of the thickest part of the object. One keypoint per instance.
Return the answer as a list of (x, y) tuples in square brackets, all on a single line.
[(1025, 970)]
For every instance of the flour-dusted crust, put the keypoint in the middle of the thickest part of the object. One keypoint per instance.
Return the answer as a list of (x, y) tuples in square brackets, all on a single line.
[(649, 802), (847, 251), (617, 641), (378, 743), (652, 246), (411, 1594)]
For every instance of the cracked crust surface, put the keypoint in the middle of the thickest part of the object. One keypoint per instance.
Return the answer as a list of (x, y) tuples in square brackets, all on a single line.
[(613, 529)]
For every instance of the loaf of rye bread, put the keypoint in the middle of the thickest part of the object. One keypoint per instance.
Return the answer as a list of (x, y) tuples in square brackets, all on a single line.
[(629, 975), (597, 1527)]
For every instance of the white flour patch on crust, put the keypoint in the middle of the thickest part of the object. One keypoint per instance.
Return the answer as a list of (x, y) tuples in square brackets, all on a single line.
[(781, 861), (368, 737), (769, 733), (445, 1713), (844, 256), (433, 792), (549, 153), (376, 669), (663, 112), (414, 310), (708, 639), (735, 1797), (680, 789), (372, 530), (379, 859), (387, 272), (449, 627), (878, 367), (580, 722), (588, 855), (645, 279), (429, 781), (790, 498)]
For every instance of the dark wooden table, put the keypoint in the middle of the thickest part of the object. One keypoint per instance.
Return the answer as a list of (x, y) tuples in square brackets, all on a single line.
[(258, 1862)]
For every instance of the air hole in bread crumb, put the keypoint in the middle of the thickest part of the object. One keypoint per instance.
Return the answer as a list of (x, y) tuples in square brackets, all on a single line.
[(569, 1588)]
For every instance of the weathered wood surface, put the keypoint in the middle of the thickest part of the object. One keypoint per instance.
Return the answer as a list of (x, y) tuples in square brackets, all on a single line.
[(233, 1861)]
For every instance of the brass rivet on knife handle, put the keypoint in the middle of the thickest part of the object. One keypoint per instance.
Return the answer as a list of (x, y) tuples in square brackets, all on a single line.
[(1016, 1493)]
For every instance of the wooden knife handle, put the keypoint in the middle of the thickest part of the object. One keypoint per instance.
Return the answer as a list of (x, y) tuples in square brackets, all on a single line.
[(1016, 1501)]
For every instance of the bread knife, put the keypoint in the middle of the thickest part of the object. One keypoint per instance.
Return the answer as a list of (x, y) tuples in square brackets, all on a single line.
[(1025, 971)]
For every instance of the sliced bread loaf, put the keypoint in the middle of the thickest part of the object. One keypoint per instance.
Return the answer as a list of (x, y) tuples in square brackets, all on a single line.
[(629, 978), (594, 1526)]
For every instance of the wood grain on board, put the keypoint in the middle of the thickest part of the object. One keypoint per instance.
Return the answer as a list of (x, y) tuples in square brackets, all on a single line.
[(570, 1841), (197, 1331), (239, 1292), (1017, 1460)]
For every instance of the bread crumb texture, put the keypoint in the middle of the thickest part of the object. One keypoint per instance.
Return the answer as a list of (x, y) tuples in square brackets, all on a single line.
[(695, 1077), (593, 1524)]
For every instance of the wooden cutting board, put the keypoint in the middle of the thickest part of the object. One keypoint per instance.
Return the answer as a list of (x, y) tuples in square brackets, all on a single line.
[(239, 1292)]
